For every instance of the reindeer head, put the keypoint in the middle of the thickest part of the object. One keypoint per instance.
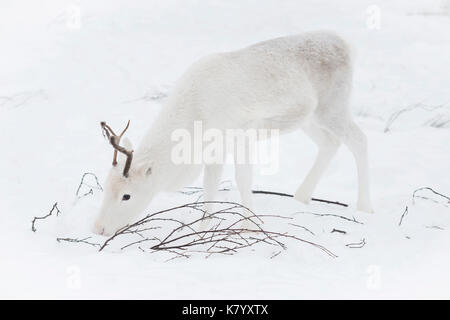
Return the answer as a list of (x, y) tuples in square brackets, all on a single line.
[(126, 190)]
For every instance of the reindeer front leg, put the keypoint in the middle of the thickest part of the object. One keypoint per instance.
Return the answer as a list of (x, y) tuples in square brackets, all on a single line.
[(211, 180), (244, 178)]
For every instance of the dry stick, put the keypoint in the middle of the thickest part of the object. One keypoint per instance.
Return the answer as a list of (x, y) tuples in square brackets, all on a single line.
[(338, 231), (139, 242), (220, 212), (214, 236), (414, 196), (275, 254), (434, 227), (291, 196), (142, 221), (438, 121), (332, 215), (23, 98), (428, 199), (195, 190), (302, 227), (177, 255), (82, 183), (222, 249), (419, 105), (357, 245), (140, 231), (230, 251), (429, 189), (223, 211), (219, 236), (76, 240), (55, 207), (403, 216)]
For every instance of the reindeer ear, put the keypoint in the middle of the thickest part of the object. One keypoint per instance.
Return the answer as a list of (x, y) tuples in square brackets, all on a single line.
[(145, 169)]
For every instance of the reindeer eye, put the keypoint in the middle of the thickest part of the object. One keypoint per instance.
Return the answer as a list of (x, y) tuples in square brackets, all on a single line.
[(126, 197)]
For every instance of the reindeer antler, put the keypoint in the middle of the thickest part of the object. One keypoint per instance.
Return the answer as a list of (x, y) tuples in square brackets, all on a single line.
[(115, 140)]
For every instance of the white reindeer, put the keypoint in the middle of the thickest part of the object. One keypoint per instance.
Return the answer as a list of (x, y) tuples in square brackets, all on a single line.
[(302, 81)]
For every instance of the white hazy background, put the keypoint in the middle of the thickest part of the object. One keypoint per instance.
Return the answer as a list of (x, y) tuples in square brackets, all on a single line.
[(67, 65)]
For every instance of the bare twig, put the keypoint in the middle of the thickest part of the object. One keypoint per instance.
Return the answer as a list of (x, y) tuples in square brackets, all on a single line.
[(291, 196), (415, 196), (91, 188), (53, 209), (76, 240), (223, 186), (439, 121), (224, 237), (428, 189), (403, 216), (332, 215), (194, 190), (302, 227), (356, 245), (338, 231), (419, 105), (275, 254), (21, 98), (434, 227)]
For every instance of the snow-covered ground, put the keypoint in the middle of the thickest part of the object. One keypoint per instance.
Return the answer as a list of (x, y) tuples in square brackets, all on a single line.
[(60, 76)]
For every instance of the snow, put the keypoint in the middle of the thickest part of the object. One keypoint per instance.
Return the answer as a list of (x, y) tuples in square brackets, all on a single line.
[(58, 80)]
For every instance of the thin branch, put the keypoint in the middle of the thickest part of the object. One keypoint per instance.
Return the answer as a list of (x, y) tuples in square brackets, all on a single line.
[(76, 240), (275, 254), (291, 196), (54, 208), (429, 189), (403, 216), (224, 237), (195, 190), (91, 188), (357, 245), (434, 227), (223, 186), (332, 215), (21, 98), (302, 227), (415, 196), (419, 105), (338, 231)]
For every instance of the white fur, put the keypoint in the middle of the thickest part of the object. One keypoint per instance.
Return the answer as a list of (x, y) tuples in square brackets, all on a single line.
[(302, 81)]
